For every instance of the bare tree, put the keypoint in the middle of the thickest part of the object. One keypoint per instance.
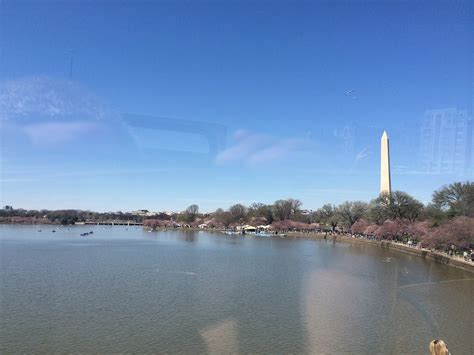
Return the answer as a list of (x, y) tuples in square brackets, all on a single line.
[(295, 205), (282, 209), (191, 213), (238, 212)]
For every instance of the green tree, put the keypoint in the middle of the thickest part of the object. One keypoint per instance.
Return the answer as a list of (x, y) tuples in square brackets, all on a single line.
[(350, 212), (327, 215), (456, 199), (395, 205), (405, 206), (258, 209), (435, 214), (285, 209)]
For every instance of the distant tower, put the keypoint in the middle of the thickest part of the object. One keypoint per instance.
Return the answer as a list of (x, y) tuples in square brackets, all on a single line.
[(385, 183)]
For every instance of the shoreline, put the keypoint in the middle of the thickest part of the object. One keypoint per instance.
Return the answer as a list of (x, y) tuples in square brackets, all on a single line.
[(434, 256)]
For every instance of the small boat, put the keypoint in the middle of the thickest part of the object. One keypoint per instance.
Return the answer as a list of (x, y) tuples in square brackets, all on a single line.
[(53, 231)]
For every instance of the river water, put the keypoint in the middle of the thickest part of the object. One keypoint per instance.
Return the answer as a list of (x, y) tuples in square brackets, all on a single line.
[(125, 290)]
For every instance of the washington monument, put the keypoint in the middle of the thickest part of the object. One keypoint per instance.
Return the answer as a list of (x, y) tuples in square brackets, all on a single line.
[(385, 183)]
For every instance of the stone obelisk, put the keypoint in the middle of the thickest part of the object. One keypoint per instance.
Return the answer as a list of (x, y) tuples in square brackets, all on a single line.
[(385, 183)]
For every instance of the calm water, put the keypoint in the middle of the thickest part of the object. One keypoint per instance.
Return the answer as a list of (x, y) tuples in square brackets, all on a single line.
[(126, 290)]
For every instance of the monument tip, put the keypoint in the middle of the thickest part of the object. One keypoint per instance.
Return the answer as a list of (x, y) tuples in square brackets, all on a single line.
[(384, 135)]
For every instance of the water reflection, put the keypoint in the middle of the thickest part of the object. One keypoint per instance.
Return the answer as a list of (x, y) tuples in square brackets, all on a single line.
[(222, 337), (173, 291), (188, 236)]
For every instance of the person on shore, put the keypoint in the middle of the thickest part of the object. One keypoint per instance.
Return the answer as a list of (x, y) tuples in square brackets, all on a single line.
[(438, 347)]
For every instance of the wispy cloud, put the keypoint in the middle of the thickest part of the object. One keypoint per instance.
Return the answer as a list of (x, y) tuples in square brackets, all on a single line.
[(363, 154), (254, 149)]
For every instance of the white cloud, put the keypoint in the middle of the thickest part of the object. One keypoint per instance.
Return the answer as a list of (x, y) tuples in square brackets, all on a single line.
[(254, 149)]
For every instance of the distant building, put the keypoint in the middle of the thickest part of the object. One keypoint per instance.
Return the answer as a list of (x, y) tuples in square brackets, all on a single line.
[(145, 213), (8, 208), (140, 212), (446, 144), (170, 213)]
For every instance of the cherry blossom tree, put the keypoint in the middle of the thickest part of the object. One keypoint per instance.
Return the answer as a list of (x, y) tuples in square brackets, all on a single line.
[(360, 226), (458, 232)]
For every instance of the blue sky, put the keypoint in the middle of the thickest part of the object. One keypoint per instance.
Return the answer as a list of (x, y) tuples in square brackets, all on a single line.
[(123, 105)]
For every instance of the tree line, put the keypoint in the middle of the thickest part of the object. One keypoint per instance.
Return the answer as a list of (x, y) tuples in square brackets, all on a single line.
[(69, 216), (448, 220)]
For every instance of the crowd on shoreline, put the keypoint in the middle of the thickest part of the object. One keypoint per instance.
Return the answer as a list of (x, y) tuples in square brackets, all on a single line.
[(466, 255)]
